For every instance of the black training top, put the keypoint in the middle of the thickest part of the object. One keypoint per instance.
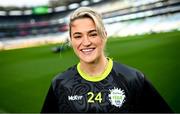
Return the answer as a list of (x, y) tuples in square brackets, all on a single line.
[(119, 89)]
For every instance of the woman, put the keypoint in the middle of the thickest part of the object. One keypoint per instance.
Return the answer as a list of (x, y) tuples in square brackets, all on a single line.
[(97, 83)]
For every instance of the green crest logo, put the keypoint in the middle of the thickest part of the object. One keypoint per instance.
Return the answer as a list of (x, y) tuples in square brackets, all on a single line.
[(117, 97)]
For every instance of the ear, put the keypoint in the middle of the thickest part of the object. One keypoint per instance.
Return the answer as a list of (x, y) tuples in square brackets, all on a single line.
[(70, 40), (105, 39)]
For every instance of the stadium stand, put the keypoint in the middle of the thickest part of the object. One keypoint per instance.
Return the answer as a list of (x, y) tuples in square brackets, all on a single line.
[(29, 29), (162, 23)]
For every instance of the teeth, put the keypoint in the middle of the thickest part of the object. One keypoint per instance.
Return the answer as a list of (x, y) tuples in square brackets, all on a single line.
[(87, 50)]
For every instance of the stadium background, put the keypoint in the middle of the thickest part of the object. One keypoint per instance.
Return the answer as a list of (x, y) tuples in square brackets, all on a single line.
[(34, 47)]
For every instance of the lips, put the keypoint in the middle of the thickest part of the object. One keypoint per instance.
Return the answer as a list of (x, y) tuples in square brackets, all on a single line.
[(87, 50)]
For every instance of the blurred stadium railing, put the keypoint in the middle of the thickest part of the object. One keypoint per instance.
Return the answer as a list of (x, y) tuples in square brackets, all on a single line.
[(24, 27)]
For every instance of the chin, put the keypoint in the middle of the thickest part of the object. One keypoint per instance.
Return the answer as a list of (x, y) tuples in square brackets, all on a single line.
[(88, 59)]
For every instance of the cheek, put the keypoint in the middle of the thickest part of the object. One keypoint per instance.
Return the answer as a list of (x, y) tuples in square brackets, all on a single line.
[(101, 44), (75, 44)]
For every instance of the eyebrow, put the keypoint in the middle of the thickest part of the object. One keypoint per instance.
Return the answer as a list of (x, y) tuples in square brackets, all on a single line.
[(90, 31), (78, 33)]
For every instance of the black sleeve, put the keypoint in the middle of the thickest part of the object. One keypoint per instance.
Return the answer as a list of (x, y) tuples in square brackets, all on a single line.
[(50, 104), (151, 101)]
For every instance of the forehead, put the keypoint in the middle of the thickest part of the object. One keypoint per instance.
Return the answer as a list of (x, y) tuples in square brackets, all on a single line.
[(82, 24)]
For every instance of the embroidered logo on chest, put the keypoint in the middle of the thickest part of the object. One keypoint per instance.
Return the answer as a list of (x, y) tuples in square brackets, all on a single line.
[(117, 97)]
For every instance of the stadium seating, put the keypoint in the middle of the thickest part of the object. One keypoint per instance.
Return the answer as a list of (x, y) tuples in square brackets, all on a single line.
[(123, 16)]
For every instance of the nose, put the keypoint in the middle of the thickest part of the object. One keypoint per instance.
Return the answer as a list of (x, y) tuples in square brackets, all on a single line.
[(86, 41)]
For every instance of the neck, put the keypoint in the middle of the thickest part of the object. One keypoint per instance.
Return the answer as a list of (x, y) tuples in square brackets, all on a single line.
[(95, 68)]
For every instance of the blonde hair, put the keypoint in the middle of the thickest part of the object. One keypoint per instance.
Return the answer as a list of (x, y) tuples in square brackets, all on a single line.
[(84, 12)]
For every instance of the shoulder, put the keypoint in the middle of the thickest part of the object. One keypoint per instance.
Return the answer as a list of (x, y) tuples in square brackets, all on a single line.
[(63, 77), (129, 73)]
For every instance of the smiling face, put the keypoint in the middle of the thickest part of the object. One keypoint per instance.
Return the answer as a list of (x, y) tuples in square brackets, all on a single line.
[(85, 40)]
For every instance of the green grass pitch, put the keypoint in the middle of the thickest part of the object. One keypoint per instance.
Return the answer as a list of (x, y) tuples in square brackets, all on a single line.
[(25, 74)]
